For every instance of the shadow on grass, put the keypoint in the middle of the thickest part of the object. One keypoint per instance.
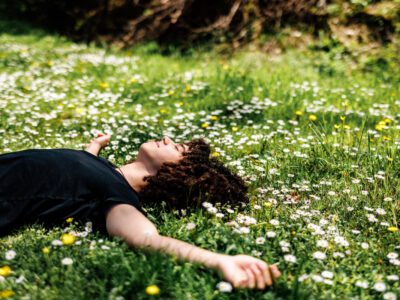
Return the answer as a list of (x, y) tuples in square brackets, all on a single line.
[(19, 27)]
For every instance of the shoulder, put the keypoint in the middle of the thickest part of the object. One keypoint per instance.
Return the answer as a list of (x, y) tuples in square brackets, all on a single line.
[(125, 220)]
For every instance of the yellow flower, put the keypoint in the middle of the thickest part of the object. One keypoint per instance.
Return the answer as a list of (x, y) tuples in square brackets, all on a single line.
[(387, 121), (299, 113), (215, 154), (50, 63), (343, 118), (6, 293), (346, 126), (45, 250), (204, 125), (390, 159), (103, 85), (312, 117), (235, 128), (387, 138), (180, 103), (345, 103), (214, 118), (188, 88), (80, 110), (152, 290), (226, 67), (336, 126), (4, 271), (293, 232), (268, 204), (380, 126), (163, 110), (69, 220), (393, 229), (68, 239), (170, 92)]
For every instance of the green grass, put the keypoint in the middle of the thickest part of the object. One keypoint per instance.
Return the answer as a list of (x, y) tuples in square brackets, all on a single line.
[(255, 111)]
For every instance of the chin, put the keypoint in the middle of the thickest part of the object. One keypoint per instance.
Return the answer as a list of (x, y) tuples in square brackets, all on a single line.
[(147, 149)]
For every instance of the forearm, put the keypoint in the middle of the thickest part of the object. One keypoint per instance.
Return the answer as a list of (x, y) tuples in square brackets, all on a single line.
[(182, 250), (93, 148)]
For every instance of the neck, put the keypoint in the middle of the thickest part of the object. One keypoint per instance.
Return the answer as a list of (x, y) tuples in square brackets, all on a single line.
[(135, 172)]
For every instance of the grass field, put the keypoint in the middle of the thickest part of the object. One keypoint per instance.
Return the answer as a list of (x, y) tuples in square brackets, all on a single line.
[(316, 138)]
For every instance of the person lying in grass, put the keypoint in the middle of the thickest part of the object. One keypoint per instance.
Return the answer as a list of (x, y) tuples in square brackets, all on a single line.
[(51, 185)]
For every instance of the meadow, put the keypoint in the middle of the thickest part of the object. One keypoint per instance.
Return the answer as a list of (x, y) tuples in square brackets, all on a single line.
[(315, 137)]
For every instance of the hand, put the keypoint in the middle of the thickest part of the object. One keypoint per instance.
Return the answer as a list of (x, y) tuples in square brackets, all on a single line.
[(101, 139), (246, 271)]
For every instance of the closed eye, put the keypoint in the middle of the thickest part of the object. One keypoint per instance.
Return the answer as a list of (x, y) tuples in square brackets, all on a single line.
[(183, 148)]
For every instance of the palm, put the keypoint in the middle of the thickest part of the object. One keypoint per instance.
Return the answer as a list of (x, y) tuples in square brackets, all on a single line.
[(247, 271)]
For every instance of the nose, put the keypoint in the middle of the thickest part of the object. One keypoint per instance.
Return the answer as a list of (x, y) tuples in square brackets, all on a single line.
[(166, 140)]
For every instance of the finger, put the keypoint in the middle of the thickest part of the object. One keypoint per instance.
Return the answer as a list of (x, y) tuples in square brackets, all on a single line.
[(266, 274), (275, 271), (241, 282), (252, 281), (258, 275)]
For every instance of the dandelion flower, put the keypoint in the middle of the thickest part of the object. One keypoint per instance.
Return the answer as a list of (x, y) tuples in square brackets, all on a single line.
[(6, 293), (5, 271), (224, 287), (152, 290), (68, 239)]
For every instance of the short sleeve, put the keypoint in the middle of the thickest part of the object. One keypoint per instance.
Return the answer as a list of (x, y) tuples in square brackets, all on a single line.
[(113, 200)]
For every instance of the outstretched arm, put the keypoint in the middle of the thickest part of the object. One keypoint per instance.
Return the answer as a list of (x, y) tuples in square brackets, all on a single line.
[(136, 230), (97, 143)]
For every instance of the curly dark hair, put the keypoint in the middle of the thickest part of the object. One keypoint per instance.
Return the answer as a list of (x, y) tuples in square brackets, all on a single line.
[(194, 179)]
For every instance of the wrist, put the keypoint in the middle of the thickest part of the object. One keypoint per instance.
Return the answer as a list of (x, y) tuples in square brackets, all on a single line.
[(218, 260)]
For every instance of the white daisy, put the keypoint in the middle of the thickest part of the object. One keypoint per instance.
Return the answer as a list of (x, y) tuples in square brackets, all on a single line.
[(224, 287), (67, 261), (319, 255), (10, 254), (290, 258), (380, 286)]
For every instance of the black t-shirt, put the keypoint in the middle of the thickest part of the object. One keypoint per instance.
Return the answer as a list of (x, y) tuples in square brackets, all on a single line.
[(50, 185)]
